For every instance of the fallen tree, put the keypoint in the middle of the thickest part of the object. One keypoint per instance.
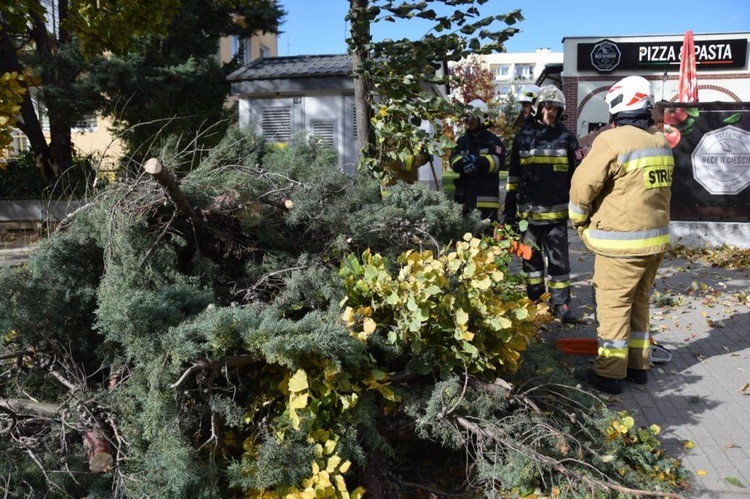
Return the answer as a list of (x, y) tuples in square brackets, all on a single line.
[(268, 326)]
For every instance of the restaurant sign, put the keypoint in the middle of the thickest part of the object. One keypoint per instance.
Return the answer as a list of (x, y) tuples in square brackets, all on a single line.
[(711, 55)]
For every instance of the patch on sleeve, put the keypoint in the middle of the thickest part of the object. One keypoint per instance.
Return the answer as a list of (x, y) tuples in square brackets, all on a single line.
[(498, 149), (578, 153)]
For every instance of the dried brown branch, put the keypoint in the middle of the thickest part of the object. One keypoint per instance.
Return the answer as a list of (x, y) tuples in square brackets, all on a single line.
[(25, 406), (169, 183), (558, 466), (212, 367), (14, 355)]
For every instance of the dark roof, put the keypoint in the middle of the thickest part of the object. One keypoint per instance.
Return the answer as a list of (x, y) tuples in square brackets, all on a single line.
[(297, 66), (552, 71)]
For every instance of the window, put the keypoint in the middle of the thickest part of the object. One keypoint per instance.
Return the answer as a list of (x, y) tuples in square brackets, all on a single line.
[(524, 72), (501, 71), (239, 49), (264, 51), (276, 123), (87, 123), (19, 143)]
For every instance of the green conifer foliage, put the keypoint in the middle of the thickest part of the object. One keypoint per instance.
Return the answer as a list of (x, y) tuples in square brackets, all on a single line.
[(294, 335)]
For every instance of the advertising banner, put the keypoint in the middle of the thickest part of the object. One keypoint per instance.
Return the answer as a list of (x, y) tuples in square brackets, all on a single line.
[(606, 56), (711, 147)]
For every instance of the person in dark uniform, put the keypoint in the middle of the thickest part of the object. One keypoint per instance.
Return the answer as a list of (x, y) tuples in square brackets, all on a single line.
[(477, 158), (543, 158)]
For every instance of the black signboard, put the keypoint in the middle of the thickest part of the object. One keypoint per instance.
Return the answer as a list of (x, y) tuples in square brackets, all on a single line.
[(711, 179), (606, 56)]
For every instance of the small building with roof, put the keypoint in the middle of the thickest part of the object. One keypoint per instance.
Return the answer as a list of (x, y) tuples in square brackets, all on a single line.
[(280, 97)]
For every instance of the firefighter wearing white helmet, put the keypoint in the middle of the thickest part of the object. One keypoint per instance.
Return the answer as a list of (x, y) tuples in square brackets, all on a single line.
[(542, 161), (477, 159), (619, 202), (526, 98)]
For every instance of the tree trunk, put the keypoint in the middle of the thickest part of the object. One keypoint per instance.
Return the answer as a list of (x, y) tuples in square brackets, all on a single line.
[(61, 75), (29, 123), (360, 39)]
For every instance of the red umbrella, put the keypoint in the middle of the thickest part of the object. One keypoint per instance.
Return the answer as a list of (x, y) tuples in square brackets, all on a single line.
[(688, 90)]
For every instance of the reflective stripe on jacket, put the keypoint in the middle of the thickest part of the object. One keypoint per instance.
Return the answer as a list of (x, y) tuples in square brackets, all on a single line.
[(620, 193), (481, 188), (542, 162)]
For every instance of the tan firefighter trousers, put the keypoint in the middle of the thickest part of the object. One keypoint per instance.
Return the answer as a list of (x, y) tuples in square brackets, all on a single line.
[(622, 286)]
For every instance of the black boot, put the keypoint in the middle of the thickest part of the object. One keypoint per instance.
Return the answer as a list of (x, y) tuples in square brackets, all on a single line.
[(606, 385), (565, 314), (637, 376)]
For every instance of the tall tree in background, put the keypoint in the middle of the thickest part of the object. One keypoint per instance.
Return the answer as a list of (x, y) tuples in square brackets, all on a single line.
[(154, 50), (470, 80), (49, 41), (394, 72), (174, 85)]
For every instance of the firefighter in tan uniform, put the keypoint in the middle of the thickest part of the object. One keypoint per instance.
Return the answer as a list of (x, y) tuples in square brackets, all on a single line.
[(619, 202)]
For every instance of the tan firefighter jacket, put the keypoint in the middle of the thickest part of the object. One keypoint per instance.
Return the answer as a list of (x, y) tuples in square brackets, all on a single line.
[(619, 194)]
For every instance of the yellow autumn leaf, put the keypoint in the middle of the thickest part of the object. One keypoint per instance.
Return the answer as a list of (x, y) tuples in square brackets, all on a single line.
[(688, 444), (461, 317), (701, 472), (325, 479), (348, 316), (298, 401), (745, 387), (330, 445), (294, 418), (467, 335), (340, 483), (358, 493), (333, 463), (345, 466), (369, 326), (298, 382)]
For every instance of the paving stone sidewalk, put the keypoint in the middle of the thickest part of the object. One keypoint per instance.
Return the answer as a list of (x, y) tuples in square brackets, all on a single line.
[(702, 396)]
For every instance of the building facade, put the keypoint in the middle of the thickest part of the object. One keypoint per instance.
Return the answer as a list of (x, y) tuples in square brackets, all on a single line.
[(592, 64), (514, 70), (92, 137)]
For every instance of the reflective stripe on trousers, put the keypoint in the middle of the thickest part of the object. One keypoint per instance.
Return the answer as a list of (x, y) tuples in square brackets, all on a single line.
[(623, 287), (552, 241)]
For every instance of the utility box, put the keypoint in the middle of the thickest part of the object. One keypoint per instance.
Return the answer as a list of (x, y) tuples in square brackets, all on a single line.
[(711, 147)]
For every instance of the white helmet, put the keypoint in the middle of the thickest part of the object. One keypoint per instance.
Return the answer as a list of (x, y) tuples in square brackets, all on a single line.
[(632, 93), (528, 93), (477, 108), (550, 94)]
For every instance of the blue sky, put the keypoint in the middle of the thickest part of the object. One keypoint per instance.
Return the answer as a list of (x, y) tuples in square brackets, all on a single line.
[(318, 27)]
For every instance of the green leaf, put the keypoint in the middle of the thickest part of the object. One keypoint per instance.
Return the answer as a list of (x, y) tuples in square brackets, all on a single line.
[(461, 317), (469, 348), (392, 337), (732, 480), (521, 313), (734, 118), (692, 111)]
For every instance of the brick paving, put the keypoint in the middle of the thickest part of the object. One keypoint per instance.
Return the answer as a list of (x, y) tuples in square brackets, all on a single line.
[(698, 397)]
